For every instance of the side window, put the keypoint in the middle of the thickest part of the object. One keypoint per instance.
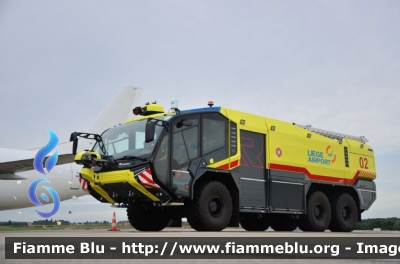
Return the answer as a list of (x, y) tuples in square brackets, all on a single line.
[(180, 154), (215, 133), (161, 160), (191, 138), (185, 143)]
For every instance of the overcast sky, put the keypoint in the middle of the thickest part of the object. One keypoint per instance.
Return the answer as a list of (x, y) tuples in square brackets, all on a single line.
[(332, 64)]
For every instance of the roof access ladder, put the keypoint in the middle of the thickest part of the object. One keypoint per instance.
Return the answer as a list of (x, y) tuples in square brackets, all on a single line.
[(332, 135)]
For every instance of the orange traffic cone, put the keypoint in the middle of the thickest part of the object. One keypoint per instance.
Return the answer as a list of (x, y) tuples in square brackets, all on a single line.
[(114, 224)]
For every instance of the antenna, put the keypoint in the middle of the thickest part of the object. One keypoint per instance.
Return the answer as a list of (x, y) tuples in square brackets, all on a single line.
[(177, 86)]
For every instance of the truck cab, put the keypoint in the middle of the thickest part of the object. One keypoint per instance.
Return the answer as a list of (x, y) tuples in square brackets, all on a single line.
[(152, 161)]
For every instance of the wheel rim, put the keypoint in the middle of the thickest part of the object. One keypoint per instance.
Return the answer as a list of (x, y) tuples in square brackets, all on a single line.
[(215, 206), (346, 213), (319, 211)]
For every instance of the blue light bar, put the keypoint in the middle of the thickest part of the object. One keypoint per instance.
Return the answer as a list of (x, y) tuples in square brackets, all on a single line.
[(205, 109)]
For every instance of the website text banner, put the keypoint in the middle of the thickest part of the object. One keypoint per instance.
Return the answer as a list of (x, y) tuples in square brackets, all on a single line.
[(202, 248)]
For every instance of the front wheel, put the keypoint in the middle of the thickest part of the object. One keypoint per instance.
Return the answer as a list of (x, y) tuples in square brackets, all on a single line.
[(211, 207), (147, 218)]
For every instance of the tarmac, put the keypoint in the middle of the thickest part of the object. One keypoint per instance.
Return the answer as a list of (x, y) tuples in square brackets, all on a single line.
[(189, 233)]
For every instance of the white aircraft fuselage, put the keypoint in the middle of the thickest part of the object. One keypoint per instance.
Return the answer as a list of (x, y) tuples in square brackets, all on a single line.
[(17, 171), (64, 179)]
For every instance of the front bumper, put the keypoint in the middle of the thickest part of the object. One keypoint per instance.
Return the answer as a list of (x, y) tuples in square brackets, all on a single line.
[(366, 191), (117, 186)]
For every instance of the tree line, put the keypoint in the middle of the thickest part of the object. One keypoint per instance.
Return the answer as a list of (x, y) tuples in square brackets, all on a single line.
[(51, 222), (392, 223)]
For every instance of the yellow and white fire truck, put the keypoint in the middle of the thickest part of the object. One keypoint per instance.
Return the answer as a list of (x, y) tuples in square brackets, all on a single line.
[(218, 167)]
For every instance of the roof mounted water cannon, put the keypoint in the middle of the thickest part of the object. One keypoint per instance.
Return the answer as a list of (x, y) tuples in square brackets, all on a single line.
[(148, 109), (137, 110), (210, 103)]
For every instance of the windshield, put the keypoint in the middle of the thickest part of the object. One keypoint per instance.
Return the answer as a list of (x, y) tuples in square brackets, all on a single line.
[(129, 139)]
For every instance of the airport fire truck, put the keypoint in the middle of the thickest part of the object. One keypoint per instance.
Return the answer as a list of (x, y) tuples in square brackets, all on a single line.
[(219, 167)]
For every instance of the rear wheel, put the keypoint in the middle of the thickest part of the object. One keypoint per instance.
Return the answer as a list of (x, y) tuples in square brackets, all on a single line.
[(148, 218), (254, 222), (211, 208), (318, 213), (344, 213)]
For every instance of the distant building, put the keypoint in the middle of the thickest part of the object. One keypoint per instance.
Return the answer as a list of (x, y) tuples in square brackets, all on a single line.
[(58, 222), (29, 223)]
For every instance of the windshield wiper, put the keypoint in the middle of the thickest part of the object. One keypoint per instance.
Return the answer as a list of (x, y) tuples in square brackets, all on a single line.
[(130, 157), (108, 158)]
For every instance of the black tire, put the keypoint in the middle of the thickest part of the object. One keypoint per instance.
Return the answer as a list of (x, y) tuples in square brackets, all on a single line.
[(318, 213), (254, 221), (344, 213), (149, 218), (211, 208), (285, 223)]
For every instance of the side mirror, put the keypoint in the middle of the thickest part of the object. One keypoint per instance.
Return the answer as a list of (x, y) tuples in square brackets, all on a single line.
[(74, 138), (150, 130), (184, 122), (74, 146)]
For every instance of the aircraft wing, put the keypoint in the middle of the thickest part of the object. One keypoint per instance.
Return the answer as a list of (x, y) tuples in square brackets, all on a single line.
[(9, 168), (11, 177)]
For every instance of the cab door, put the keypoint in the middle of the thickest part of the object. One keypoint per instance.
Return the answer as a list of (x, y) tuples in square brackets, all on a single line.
[(254, 179), (185, 148)]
